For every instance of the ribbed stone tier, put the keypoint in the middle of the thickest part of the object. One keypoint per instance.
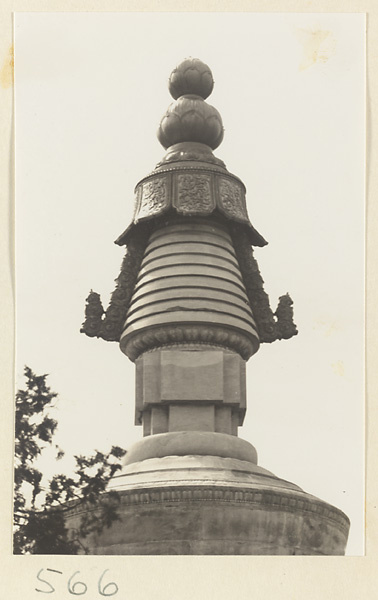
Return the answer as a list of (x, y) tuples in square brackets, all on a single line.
[(190, 277), (208, 504)]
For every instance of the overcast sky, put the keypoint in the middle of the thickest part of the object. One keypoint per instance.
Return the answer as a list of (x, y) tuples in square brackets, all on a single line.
[(91, 89)]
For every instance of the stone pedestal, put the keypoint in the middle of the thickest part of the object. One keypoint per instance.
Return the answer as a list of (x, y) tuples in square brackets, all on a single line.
[(216, 501), (190, 388)]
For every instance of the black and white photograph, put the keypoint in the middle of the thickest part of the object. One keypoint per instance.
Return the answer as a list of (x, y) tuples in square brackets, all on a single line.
[(190, 284)]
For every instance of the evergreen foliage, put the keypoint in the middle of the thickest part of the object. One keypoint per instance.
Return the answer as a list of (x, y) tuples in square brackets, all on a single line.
[(40, 509)]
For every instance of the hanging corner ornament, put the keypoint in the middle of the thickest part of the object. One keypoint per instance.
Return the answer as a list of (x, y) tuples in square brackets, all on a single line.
[(190, 183)]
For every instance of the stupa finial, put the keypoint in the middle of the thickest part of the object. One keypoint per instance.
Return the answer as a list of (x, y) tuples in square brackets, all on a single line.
[(190, 118), (191, 76)]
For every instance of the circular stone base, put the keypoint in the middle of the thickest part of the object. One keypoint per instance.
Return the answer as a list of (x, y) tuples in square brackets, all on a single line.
[(197, 504), (182, 443)]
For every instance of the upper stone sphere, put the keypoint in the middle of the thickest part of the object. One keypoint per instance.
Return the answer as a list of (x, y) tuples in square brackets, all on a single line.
[(190, 118), (191, 76)]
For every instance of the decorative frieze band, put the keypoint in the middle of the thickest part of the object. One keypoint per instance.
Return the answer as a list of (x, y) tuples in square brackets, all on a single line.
[(264, 499), (136, 344), (191, 192)]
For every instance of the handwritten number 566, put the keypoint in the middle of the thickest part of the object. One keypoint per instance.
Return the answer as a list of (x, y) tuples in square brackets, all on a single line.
[(78, 588)]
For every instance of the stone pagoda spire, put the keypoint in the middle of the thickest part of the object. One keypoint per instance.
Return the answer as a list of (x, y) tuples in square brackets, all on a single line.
[(189, 309)]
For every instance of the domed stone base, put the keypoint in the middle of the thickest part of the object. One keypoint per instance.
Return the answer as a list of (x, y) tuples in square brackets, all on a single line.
[(193, 504)]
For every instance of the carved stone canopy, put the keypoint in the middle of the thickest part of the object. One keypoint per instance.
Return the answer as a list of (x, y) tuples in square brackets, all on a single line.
[(192, 188)]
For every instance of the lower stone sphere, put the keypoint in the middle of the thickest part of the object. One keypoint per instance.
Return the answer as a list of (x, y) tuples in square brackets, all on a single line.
[(191, 119)]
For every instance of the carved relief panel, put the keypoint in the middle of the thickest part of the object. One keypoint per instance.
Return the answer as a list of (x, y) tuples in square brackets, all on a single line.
[(194, 194), (232, 199), (154, 197)]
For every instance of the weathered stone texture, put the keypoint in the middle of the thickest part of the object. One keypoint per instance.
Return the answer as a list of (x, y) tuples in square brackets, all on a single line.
[(213, 505)]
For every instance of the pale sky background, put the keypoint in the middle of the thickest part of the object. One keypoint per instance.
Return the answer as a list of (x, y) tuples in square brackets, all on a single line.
[(91, 89)]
